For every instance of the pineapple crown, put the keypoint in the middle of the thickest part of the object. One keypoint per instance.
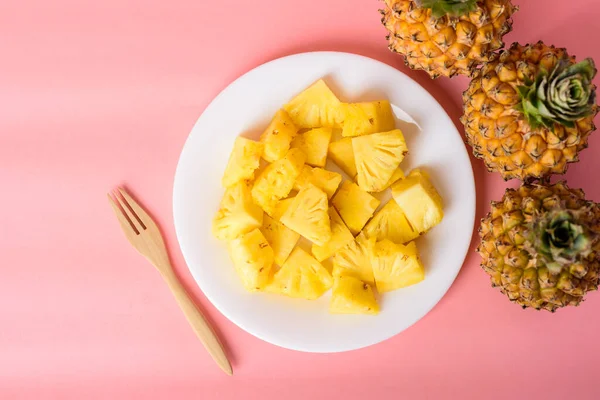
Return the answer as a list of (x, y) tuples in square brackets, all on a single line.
[(562, 95), (560, 239), (453, 8)]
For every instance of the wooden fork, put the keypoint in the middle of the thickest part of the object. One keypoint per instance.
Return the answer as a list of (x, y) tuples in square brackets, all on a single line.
[(144, 235)]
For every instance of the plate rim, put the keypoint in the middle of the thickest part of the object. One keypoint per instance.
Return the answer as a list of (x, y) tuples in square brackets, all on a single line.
[(177, 226)]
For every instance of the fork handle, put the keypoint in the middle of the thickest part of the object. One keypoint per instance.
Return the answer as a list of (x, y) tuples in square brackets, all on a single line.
[(197, 320)]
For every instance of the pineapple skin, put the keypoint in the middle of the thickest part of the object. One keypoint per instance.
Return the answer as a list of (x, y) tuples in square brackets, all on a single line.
[(513, 266), (496, 129), (448, 45)]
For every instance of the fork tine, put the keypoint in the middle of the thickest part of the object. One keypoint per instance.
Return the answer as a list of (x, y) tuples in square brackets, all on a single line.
[(128, 211), (142, 216), (124, 220)]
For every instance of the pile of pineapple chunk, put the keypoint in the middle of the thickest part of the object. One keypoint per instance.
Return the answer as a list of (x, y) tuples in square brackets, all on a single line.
[(278, 191)]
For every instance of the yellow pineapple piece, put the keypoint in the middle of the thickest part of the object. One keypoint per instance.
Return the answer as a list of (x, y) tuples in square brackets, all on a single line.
[(314, 144), (281, 207), (301, 276), (354, 259), (237, 213), (308, 215), (352, 296), (277, 180), (377, 157), (420, 201), (396, 176), (243, 161), (278, 136), (253, 259), (366, 118), (281, 238), (327, 181), (396, 266), (340, 237), (355, 206), (342, 155), (390, 223), (315, 107)]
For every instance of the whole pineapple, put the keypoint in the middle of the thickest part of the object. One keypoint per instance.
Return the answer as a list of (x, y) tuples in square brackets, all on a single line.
[(541, 245), (447, 37), (529, 113)]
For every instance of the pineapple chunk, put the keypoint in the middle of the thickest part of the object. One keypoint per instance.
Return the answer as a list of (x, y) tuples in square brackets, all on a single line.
[(354, 205), (419, 200), (340, 237), (281, 207), (278, 136), (327, 181), (281, 238), (253, 259), (343, 156), (237, 214), (377, 156), (398, 174), (354, 259), (308, 216), (390, 223), (277, 180), (396, 266), (366, 118), (352, 296), (315, 107), (301, 276), (314, 144), (243, 161)]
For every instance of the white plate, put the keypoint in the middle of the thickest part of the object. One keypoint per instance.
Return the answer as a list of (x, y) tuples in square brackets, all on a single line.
[(245, 107)]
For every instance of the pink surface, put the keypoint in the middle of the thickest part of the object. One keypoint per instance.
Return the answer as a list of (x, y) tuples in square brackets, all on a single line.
[(96, 94)]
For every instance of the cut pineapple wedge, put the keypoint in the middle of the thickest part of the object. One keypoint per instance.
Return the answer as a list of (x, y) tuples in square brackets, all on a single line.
[(301, 276), (253, 259), (390, 223), (243, 161), (281, 207), (278, 136), (340, 237), (342, 155), (315, 107), (314, 144), (352, 296), (327, 181), (237, 214), (354, 259), (277, 180), (377, 157), (420, 201), (396, 176), (355, 206), (396, 266), (281, 238), (366, 118), (308, 215)]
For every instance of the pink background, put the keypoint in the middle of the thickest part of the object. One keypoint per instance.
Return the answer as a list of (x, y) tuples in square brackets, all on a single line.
[(96, 94)]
